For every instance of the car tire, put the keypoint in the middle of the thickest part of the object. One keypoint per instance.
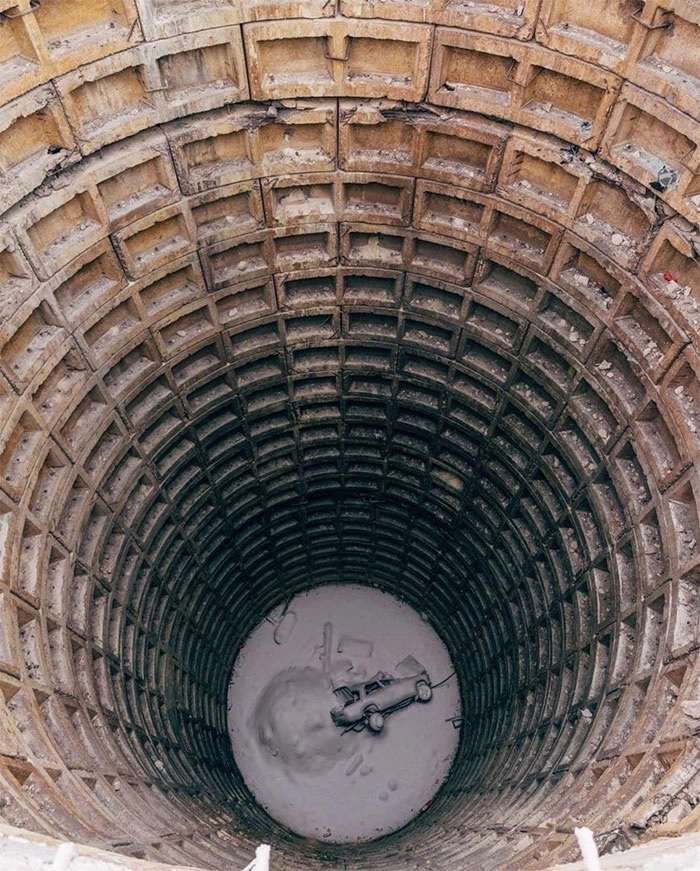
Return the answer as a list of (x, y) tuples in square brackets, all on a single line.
[(375, 721), (424, 692)]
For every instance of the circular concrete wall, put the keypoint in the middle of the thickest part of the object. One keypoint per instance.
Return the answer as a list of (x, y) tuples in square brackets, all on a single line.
[(392, 292)]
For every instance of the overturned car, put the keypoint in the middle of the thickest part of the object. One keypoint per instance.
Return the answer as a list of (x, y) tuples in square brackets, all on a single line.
[(368, 703)]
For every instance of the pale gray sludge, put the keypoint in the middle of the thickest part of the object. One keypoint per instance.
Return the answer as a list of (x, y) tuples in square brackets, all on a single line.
[(315, 777)]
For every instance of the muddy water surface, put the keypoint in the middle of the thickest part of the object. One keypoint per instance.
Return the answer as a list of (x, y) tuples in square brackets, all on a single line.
[(309, 774)]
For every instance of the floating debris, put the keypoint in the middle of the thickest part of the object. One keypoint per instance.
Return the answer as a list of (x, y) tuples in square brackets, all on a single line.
[(355, 646), (285, 628)]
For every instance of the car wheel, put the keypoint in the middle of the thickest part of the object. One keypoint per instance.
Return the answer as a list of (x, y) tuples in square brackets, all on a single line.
[(424, 692), (375, 721)]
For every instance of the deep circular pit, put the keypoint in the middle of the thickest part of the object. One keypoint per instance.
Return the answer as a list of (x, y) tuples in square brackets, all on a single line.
[(393, 293)]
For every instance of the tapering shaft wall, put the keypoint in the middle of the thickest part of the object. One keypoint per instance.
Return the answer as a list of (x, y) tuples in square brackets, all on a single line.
[(395, 292)]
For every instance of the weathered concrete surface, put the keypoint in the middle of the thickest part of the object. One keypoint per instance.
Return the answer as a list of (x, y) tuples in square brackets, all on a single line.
[(21, 850), (397, 292), (664, 854)]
